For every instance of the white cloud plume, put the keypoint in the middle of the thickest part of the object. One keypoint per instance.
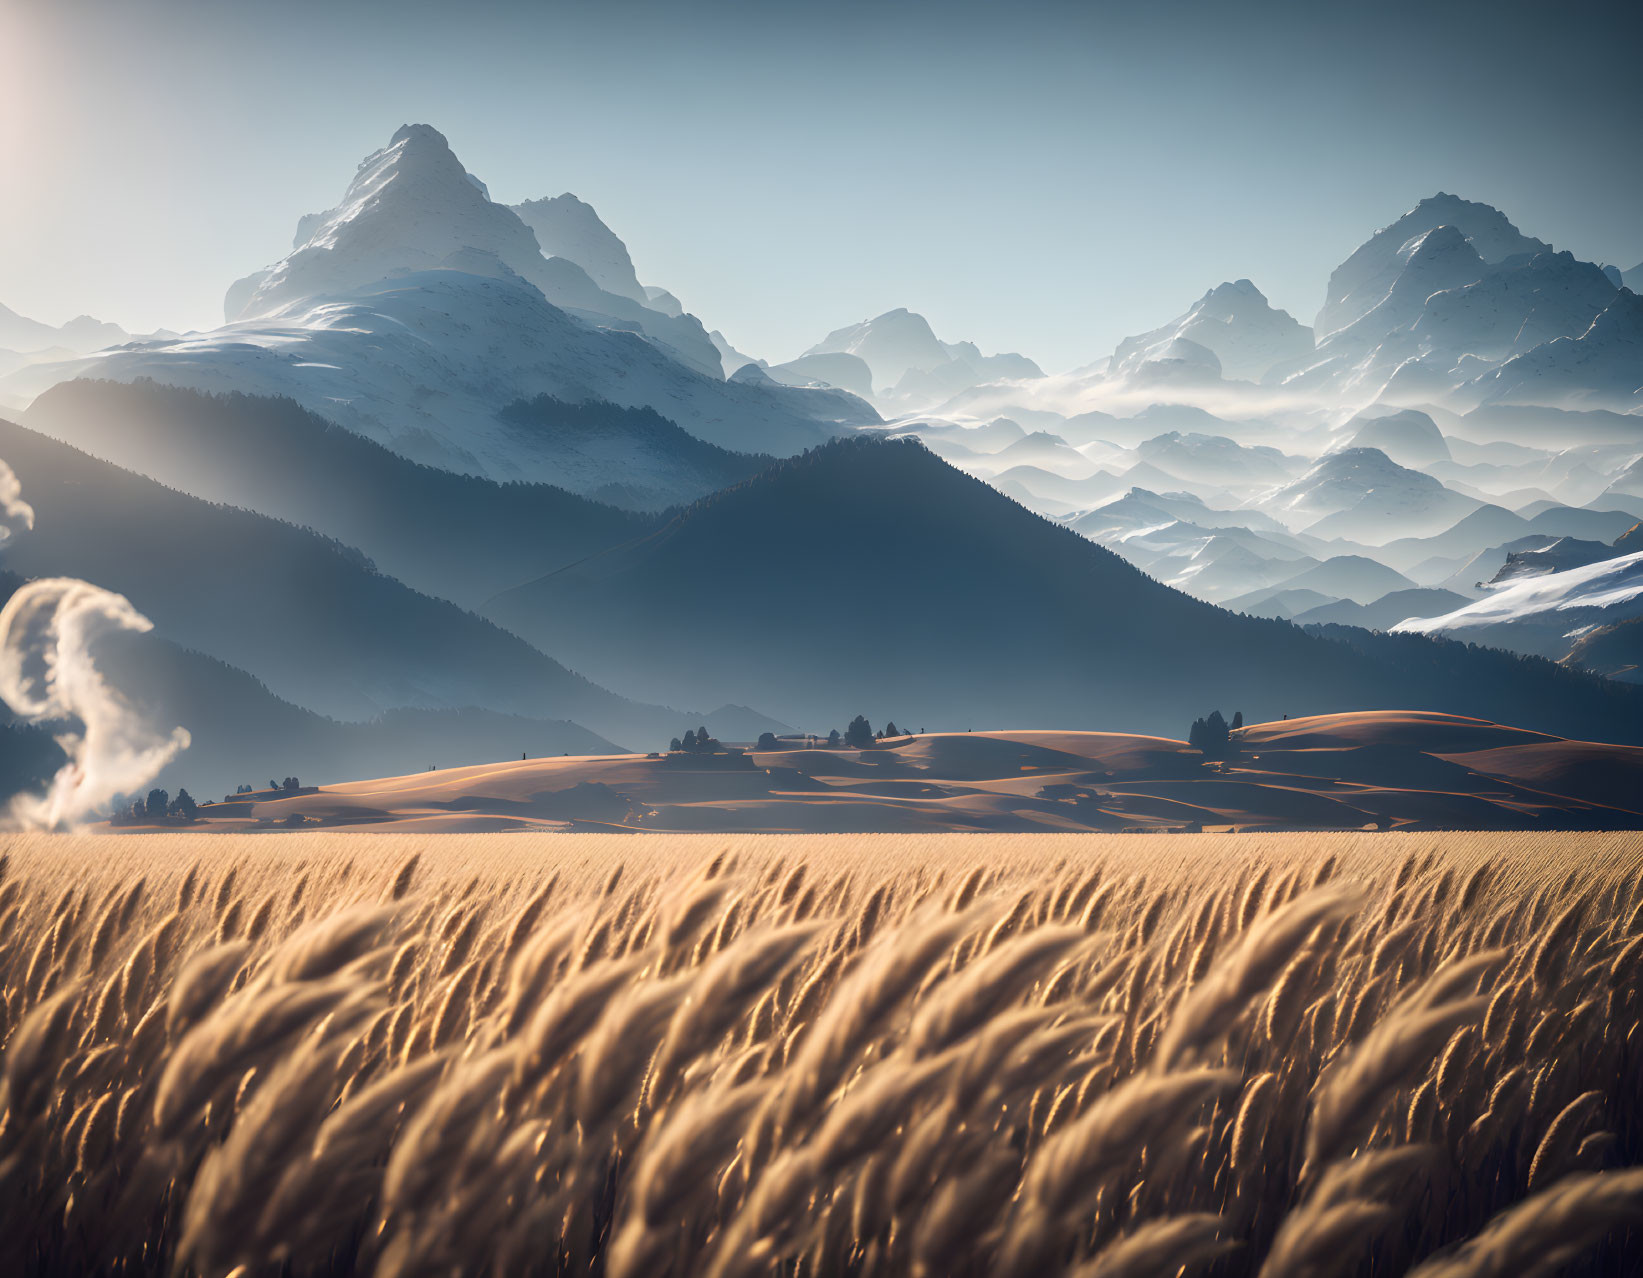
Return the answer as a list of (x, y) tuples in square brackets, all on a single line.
[(16, 515), (48, 674)]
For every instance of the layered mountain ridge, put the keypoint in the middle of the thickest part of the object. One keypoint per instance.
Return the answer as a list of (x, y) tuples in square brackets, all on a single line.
[(483, 406), (948, 605)]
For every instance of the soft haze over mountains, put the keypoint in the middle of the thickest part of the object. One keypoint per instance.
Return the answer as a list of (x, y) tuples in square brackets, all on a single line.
[(449, 460)]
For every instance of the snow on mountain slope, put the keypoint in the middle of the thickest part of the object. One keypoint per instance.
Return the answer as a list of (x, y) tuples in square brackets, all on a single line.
[(1235, 321), (1451, 319), (1559, 556), (1431, 307), (1442, 258), (425, 363), (1601, 368), (1548, 609), (681, 336), (1363, 282), (1514, 307), (412, 207), (567, 227), (1470, 574)]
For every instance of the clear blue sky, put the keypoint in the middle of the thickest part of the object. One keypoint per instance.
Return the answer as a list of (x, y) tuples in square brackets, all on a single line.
[(1043, 177)]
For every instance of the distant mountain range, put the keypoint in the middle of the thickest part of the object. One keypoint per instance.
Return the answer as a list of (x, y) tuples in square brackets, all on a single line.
[(22, 335), (908, 361), (892, 581), (1235, 323)]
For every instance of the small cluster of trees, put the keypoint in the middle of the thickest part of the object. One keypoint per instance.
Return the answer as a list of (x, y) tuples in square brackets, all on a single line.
[(157, 806), (697, 742), (859, 735), (1212, 736)]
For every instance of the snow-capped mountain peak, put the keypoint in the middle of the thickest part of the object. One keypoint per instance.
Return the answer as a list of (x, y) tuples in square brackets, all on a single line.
[(1362, 282), (1491, 231), (1234, 322), (411, 206)]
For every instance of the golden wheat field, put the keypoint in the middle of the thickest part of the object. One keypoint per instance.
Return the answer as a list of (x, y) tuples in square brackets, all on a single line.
[(1292, 1056)]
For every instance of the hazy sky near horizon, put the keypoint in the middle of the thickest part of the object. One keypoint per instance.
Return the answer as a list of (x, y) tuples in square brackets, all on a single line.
[(1041, 176)]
